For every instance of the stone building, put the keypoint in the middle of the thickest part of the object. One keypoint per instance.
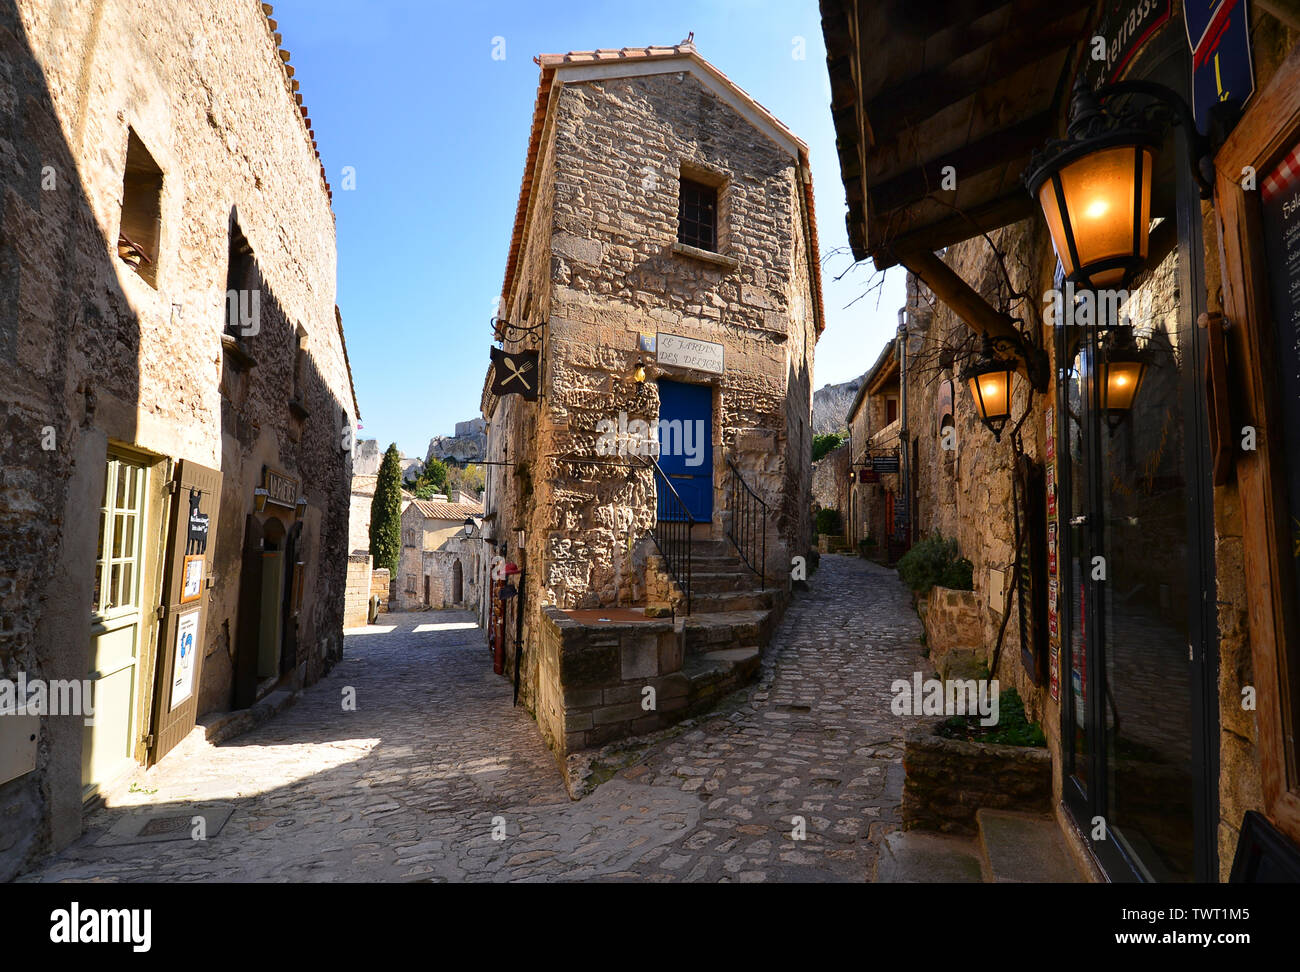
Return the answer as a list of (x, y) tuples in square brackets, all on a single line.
[(174, 389), (438, 566), (1133, 572), (664, 269)]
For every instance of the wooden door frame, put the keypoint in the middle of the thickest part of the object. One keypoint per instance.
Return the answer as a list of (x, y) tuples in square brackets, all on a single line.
[(1268, 129)]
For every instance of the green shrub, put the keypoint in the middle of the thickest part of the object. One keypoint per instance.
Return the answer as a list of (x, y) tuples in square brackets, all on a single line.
[(827, 442), (935, 562), (829, 522), (1013, 726)]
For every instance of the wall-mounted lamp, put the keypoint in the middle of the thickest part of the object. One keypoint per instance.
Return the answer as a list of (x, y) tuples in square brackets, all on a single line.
[(989, 377), (1094, 185), (300, 508), (638, 373), (1123, 366), (259, 500)]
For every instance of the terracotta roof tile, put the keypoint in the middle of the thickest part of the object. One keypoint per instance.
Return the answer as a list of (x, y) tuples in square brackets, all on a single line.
[(437, 510)]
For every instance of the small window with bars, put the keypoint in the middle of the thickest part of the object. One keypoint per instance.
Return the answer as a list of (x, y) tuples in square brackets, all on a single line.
[(697, 215)]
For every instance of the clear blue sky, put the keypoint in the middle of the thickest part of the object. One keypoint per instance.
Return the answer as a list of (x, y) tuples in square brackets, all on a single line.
[(407, 92)]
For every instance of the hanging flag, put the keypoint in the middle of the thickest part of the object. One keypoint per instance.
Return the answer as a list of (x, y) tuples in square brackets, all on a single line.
[(515, 373)]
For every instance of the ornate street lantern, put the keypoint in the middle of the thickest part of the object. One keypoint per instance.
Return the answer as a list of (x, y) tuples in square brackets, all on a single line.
[(989, 378), (1094, 187), (1123, 366)]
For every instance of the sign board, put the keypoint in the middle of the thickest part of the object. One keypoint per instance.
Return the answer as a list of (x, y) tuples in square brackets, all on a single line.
[(1126, 25), (869, 476), (884, 464), (280, 489), (192, 578), (1280, 197), (515, 373), (187, 643), (1218, 32), (684, 352)]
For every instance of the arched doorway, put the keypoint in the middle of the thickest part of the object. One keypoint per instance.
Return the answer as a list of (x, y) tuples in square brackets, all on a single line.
[(457, 583)]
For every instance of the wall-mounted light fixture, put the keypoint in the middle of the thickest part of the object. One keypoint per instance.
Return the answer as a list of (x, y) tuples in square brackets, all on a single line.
[(1123, 366), (1094, 185), (638, 373), (989, 377), (300, 508), (259, 500)]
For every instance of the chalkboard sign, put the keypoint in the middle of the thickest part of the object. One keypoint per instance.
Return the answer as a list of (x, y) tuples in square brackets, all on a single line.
[(884, 464), (1280, 195)]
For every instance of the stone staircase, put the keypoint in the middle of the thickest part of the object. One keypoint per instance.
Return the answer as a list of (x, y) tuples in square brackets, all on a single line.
[(730, 623), (1008, 847)]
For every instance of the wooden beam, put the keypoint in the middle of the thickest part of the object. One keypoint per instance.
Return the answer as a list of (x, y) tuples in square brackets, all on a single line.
[(965, 302), (1002, 211), (997, 148), (1043, 36)]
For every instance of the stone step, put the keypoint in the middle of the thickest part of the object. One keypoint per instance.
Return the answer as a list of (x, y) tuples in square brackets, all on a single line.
[(720, 666), (749, 599), (1024, 847), (919, 857), (710, 631), (721, 581)]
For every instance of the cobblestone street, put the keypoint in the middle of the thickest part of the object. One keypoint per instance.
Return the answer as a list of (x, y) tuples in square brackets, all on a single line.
[(408, 786)]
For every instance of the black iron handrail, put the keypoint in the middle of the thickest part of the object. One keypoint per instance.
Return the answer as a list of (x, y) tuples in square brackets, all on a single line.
[(747, 528), (672, 530)]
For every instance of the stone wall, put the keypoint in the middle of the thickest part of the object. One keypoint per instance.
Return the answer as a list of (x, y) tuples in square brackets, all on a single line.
[(952, 628), (356, 601), (99, 357), (830, 481), (948, 780)]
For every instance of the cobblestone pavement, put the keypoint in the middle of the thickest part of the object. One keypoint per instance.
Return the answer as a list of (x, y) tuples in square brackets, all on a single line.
[(412, 784)]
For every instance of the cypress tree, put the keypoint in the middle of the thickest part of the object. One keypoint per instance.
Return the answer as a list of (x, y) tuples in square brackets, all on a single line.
[(386, 511)]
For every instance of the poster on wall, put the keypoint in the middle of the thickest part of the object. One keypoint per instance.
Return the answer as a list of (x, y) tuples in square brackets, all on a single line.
[(1280, 196), (192, 578), (1050, 440), (187, 640)]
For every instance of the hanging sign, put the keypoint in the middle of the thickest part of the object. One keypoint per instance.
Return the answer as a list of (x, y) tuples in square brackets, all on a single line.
[(869, 476), (187, 640), (884, 464), (280, 489), (1125, 25), (1218, 32), (515, 373)]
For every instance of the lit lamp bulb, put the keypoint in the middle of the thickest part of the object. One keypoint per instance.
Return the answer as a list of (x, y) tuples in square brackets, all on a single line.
[(638, 373)]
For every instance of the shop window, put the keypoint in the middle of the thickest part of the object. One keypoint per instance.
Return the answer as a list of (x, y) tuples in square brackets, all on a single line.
[(140, 229)]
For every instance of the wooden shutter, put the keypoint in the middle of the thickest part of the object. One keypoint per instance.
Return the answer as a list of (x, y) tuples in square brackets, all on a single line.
[(195, 495)]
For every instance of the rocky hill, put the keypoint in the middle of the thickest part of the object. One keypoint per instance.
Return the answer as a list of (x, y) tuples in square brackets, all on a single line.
[(469, 444), (831, 405)]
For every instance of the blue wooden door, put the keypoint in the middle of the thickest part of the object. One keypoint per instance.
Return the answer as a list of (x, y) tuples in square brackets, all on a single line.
[(686, 447)]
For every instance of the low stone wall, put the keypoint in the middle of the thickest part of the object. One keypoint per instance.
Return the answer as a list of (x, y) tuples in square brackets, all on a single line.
[(381, 584), (592, 679), (356, 594), (953, 630), (947, 780)]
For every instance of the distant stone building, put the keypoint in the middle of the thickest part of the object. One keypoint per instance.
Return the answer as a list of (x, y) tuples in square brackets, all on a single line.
[(438, 566), (664, 268), (174, 389)]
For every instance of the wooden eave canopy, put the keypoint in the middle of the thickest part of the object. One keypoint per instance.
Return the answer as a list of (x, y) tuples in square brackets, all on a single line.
[(918, 85)]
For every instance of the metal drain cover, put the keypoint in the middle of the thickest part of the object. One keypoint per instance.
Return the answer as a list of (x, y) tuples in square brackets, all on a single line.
[(134, 826)]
